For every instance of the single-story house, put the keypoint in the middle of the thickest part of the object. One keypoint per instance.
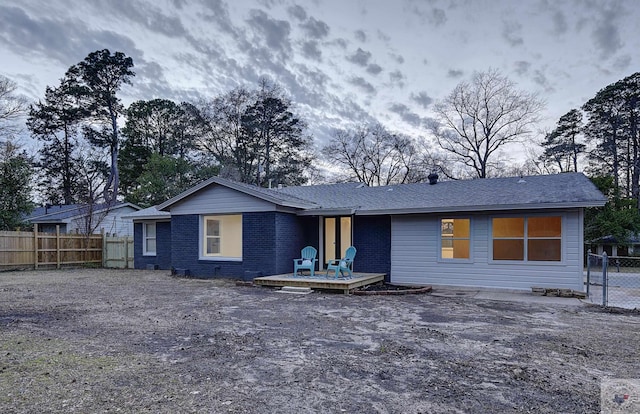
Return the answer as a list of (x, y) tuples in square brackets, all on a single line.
[(611, 246), (512, 233), (83, 218)]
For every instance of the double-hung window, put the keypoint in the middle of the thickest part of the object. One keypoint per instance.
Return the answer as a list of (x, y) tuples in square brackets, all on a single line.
[(149, 239), (534, 239), (221, 237), (455, 238)]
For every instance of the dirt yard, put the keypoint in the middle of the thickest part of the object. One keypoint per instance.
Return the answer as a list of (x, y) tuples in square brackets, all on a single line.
[(89, 341)]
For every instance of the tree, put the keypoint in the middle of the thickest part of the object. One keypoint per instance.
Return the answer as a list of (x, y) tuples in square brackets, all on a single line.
[(605, 128), (619, 218), (102, 74), (15, 185), (255, 136), (374, 156), (278, 139), (56, 122), (480, 117), (164, 177), (12, 107), (158, 127), (561, 146)]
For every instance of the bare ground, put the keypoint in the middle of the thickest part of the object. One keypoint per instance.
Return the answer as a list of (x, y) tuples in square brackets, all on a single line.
[(88, 341)]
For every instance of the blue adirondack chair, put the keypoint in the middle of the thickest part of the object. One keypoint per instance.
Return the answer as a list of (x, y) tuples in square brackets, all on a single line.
[(307, 262), (340, 266)]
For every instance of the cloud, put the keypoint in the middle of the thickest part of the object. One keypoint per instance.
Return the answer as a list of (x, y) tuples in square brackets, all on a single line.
[(606, 35), (146, 15), (316, 29), (374, 69), (434, 16), (406, 114), (343, 43), (398, 58), (540, 78), (310, 50), (360, 35), (363, 85), (622, 62), (455, 73), (512, 33), (297, 12), (274, 32), (65, 41), (360, 57), (422, 99), (219, 15), (397, 77), (559, 21), (522, 67)]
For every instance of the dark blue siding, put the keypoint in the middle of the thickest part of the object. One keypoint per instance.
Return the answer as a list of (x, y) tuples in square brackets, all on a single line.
[(258, 242), (289, 241), (163, 247), (372, 238), (270, 242), (185, 233)]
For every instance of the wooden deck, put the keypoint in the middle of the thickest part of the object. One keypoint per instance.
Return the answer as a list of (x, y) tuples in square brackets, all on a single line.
[(319, 281)]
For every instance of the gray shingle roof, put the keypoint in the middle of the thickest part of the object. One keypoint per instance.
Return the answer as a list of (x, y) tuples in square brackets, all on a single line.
[(61, 213), (531, 192), (543, 191)]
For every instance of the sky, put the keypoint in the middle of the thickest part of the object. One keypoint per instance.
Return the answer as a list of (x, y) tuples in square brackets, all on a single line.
[(342, 62)]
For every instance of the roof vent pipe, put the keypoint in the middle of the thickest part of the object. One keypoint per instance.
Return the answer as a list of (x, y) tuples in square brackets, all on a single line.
[(433, 178)]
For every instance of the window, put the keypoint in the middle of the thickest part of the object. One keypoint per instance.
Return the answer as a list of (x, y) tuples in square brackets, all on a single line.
[(221, 237), (455, 238), (149, 239), (535, 239)]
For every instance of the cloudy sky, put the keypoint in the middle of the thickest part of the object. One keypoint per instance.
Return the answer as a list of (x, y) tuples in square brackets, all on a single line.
[(341, 61)]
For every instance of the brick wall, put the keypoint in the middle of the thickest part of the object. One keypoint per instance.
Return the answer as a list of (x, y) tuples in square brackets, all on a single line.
[(290, 240), (372, 239), (185, 254), (163, 247), (258, 242)]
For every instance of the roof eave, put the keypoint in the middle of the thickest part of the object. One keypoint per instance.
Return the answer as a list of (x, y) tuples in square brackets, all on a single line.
[(472, 209), (328, 212)]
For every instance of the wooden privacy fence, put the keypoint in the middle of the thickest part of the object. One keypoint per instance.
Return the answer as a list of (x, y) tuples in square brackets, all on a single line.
[(20, 250)]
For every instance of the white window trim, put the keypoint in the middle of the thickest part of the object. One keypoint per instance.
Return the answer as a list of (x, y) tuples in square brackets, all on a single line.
[(526, 216), (202, 244), (145, 238), (441, 259)]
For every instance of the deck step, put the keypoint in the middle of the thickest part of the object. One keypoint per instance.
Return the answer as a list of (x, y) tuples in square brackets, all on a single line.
[(297, 290)]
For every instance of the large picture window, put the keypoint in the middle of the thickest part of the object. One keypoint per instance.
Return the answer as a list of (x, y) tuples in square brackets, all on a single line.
[(222, 237), (149, 239), (535, 239), (455, 237)]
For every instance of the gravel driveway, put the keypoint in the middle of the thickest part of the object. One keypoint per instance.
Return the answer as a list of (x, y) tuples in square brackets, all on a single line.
[(89, 341)]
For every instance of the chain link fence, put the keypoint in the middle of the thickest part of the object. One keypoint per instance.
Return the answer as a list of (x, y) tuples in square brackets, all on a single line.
[(613, 281)]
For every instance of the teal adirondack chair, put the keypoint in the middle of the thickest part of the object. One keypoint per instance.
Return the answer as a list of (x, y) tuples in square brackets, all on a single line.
[(340, 266), (307, 262)]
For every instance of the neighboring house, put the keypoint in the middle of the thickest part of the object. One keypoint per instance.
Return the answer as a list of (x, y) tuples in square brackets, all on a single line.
[(81, 218), (612, 247), (511, 233)]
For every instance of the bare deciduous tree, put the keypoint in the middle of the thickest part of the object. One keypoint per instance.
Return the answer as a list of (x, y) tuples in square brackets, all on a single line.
[(374, 156), (12, 107), (481, 116)]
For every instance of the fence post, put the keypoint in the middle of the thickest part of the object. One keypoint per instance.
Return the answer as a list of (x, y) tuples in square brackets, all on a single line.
[(57, 246), (588, 270), (35, 245), (605, 281), (104, 248)]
